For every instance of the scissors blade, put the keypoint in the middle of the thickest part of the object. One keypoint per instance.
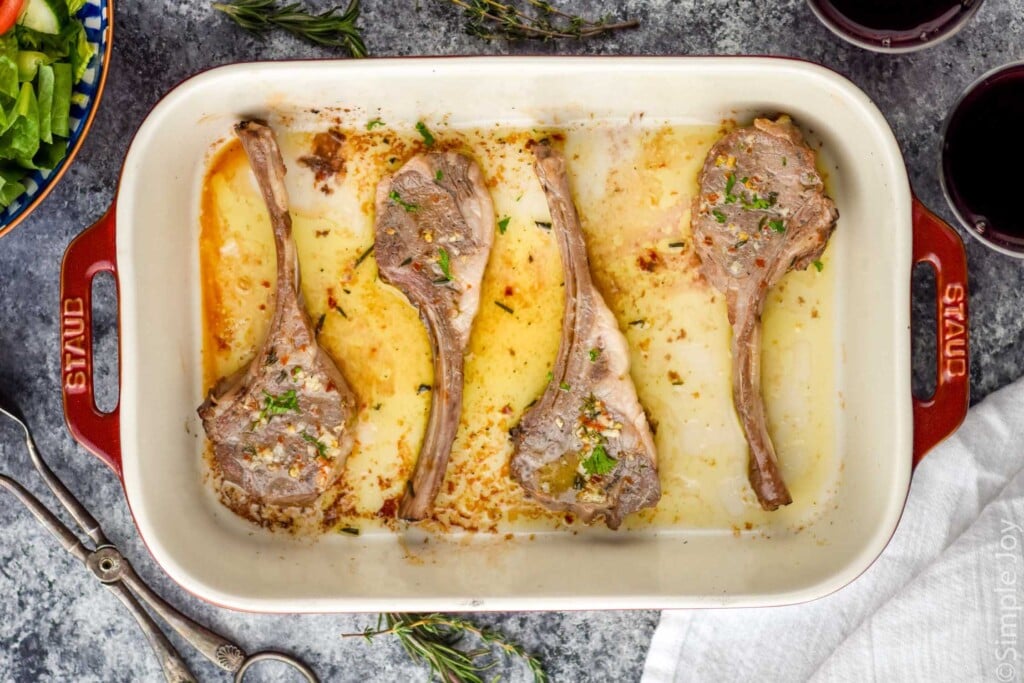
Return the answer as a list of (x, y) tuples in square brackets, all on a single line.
[(85, 520), (67, 538)]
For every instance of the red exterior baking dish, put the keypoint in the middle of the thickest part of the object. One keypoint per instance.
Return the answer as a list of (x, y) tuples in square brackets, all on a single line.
[(153, 442)]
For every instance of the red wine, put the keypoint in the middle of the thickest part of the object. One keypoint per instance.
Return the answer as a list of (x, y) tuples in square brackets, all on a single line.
[(895, 24), (982, 155)]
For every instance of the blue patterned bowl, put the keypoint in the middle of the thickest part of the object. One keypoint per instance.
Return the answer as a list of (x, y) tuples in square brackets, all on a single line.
[(98, 18)]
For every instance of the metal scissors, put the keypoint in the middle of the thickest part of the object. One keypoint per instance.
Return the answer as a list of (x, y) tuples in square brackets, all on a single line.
[(109, 566)]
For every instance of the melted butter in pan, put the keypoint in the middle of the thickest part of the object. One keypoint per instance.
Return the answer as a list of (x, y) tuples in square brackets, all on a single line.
[(633, 186)]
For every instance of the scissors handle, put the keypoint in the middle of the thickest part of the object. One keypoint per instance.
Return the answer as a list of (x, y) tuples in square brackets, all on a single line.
[(272, 656), (174, 667), (216, 648)]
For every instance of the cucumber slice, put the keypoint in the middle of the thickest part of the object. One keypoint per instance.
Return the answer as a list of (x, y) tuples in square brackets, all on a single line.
[(29, 62), (45, 16), (44, 94), (61, 111)]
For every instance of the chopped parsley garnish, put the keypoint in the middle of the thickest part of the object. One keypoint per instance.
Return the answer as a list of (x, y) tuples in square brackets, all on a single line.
[(428, 138), (362, 257), (503, 224), (594, 353), (543, 225), (397, 199), (551, 375), (777, 224), (578, 482), (406, 262), (676, 245), (350, 530), (719, 215), (599, 462), (730, 182), (288, 402), (740, 243), (590, 409), (439, 176), (296, 371), (818, 264), (272, 356), (783, 161), (507, 309), (370, 125), (321, 447), (445, 263), (759, 203), (564, 386)]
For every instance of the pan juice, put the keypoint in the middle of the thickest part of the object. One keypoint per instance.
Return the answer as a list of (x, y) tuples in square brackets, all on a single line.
[(633, 183)]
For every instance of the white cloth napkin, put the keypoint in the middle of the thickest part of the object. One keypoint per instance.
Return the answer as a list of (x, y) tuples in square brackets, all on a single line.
[(944, 602)]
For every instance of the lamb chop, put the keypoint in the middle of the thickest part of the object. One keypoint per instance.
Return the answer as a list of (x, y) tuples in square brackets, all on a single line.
[(434, 231), (761, 212), (585, 447), (281, 428)]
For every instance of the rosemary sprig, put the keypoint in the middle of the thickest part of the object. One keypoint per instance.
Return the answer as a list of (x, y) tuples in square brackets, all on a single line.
[(334, 27), (491, 19), (487, 19), (432, 638)]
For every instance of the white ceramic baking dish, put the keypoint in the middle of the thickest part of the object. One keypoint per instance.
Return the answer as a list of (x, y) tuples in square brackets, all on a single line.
[(149, 240)]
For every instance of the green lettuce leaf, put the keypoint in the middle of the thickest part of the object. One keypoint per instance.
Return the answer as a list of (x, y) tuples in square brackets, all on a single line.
[(71, 44), (21, 139), (54, 45), (49, 155), (61, 110), (9, 86), (10, 185), (80, 49)]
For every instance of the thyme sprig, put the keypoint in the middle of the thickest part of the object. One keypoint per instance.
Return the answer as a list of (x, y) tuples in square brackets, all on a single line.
[(334, 27), (493, 19), (433, 639)]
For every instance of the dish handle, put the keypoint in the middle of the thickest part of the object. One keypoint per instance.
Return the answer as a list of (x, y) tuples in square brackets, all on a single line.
[(89, 254), (938, 416)]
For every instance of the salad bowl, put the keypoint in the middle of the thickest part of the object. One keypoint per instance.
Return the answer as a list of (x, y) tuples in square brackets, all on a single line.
[(96, 18)]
